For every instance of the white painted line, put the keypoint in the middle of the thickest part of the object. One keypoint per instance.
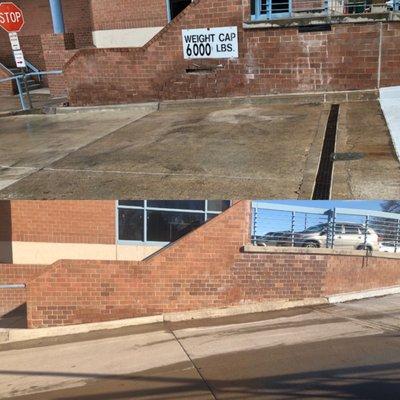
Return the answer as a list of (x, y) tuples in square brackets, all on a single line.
[(366, 294)]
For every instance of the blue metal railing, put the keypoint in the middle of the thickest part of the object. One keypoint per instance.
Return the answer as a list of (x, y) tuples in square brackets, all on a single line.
[(19, 78), (280, 9), (298, 226)]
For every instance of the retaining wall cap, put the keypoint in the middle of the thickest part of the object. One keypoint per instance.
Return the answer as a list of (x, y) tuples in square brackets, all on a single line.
[(323, 251)]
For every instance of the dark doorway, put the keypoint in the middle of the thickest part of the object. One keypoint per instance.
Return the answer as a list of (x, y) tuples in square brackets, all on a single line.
[(176, 6)]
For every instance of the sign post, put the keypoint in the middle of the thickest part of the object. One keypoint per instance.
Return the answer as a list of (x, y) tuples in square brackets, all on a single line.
[(12, 21)]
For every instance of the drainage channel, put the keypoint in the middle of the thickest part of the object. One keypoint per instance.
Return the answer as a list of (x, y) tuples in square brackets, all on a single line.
[(323, 182)]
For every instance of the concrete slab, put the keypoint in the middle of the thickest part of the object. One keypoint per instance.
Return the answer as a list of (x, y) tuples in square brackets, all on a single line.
[(31, 142), (376, 175), (390, 103), (249, 149), (193, 151), (345, 351)]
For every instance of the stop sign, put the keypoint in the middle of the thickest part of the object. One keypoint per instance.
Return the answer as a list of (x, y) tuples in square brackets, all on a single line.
[(11, 17)]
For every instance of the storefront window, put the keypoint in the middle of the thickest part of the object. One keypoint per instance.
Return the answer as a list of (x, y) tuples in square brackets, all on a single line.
[(164, 221)]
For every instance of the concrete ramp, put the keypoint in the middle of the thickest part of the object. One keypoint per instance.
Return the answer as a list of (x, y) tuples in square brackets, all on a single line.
[(390, 104)]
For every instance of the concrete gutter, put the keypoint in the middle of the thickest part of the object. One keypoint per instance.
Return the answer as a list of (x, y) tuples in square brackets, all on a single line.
[(366, 294), (322, 251), (390, 103)]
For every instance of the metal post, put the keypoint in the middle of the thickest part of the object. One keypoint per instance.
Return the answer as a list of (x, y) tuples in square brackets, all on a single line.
[(293, 227), (366, 232), (326, 7), (396, 243), (21, 95), (254, 225), (57, 16), (333, 228), (28, 96)]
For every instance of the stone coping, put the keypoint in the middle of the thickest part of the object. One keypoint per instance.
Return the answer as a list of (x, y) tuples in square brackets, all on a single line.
[(321, 251), (323, 20)]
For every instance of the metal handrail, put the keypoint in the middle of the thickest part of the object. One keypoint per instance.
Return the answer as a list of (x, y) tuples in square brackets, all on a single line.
[(31, 67), (22, 76)]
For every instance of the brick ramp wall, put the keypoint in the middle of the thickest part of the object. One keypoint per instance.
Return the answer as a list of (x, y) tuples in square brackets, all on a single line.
[(10, 299), (194, 272), (6, 88), (278, 60), (346, 274)]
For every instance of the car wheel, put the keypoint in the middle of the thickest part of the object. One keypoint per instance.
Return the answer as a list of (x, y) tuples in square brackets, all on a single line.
[(311, 245)]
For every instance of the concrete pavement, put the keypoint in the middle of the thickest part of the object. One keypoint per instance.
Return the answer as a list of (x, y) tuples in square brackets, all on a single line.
[(351, 350), (196, 150)]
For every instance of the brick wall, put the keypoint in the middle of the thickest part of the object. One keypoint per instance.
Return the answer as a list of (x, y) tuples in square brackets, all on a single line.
[(77, 19), (10, 299), (6, 88), (58, 221), (192, 273), (204, 269), (123, 14), (280, 60), (351, 274)]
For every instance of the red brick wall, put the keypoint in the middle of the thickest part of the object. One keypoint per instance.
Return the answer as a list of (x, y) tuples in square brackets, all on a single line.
[(123, 14), (59, 221), (10, 299), (77, 19), (351, 274), (6, 88), (278, 60), (192, 273)]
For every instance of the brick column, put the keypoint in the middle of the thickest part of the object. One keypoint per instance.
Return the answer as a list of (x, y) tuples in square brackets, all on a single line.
[(57, 50), (6, 88)]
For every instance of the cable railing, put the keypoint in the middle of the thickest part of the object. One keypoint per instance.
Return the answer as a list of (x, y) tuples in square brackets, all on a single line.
[(337, 228)]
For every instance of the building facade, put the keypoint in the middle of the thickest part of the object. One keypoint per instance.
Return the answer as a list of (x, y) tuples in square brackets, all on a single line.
[(130, 51), (212, 265)]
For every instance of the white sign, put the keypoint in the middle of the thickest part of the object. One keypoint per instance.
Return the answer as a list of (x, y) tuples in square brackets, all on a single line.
[(19, 58), (14, 40), (210, 43)]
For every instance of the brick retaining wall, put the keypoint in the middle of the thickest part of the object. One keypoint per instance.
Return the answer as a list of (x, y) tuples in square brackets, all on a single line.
[(278, 60)]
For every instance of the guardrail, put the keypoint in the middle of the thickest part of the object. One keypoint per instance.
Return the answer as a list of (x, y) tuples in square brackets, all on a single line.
[(282, 9), (336, 228), (26, 103)]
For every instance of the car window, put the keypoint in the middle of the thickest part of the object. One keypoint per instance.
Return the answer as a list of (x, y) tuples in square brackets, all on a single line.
[(352, 229), (339, 228)]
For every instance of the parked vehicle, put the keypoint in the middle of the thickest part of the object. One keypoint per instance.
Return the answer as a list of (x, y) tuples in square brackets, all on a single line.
[(347, 236), (389, 247)]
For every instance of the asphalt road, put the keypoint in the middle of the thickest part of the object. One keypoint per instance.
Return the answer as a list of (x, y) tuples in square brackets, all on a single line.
[(348, 351), (215, 150)]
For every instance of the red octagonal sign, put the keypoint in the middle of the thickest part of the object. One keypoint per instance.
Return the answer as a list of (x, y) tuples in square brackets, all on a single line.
[(11, 17)]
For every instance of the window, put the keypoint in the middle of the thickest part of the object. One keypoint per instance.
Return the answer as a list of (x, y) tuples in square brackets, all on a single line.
[(352, 229), (176, 7), (164, 220)]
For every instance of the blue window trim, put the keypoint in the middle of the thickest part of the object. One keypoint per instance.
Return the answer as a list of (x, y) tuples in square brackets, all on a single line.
[(258, 16), (146, 208)]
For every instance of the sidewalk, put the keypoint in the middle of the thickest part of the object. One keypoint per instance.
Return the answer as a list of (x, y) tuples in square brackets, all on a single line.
[(349, 349)]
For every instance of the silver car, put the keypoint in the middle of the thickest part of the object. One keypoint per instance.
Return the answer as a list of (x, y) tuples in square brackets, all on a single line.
[(347, 236)]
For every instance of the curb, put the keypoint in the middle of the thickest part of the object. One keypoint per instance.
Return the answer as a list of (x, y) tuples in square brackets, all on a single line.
[(19, 335), (366, 294), (152, 106)]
